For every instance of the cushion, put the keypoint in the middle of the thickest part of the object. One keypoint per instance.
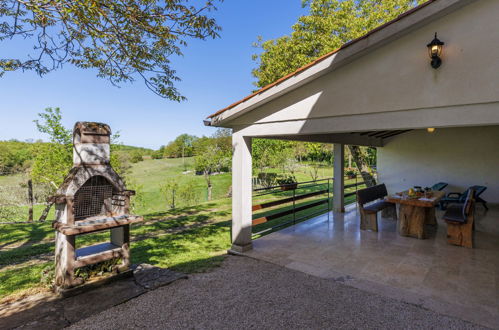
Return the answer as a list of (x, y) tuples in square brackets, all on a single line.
[(454, 213)]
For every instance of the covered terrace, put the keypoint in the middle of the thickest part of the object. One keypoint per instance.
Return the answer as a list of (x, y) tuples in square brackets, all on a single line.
[(380, 90)]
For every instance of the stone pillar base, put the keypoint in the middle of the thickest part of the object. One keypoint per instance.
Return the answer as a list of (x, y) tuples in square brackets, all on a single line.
[(241, 248), (339, 209)]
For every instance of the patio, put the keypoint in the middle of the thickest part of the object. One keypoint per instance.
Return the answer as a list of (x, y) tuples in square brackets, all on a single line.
[(451, 280), (428, 126)]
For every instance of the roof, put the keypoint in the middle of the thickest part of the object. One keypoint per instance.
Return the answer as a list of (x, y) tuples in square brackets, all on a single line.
[(322, 58)]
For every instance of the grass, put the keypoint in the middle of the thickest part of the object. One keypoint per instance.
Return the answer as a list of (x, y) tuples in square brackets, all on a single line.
[(152, 173), (188, 239)]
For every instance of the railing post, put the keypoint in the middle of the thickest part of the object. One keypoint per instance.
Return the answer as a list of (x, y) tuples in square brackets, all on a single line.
[(328, 196), (294, 205)]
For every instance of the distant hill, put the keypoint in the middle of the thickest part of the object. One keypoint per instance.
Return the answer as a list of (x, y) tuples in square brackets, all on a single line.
[(16, 156)]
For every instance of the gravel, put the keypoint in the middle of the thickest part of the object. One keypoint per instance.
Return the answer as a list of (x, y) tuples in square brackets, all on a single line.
[(249, 294)]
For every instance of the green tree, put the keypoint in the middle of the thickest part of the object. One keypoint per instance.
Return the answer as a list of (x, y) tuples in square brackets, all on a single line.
[(329, 24), (212, 155), (53, 160), (187, 193), (182, 146), (121, 40), (136, 156), (269, 153), (170, 190)]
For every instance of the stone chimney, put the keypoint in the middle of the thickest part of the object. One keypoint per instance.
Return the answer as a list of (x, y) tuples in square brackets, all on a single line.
[(91, 144)]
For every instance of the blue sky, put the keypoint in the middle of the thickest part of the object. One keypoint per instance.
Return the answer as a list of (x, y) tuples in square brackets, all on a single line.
[(214, 73)]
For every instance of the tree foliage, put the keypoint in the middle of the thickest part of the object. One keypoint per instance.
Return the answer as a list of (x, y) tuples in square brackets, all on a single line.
[(213, 155), (15, 156), (183, 145), (52, 160), (122, 40), (329, 24)]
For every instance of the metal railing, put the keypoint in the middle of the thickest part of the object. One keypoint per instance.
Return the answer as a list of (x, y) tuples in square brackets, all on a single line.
[(283, 212), (298, 197)]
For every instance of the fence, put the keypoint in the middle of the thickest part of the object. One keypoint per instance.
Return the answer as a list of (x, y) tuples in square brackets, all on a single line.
[(22, 202), (283, 205), (300, 202)]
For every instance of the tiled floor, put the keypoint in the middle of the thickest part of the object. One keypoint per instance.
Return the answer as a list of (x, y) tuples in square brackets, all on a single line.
[(333, 246)]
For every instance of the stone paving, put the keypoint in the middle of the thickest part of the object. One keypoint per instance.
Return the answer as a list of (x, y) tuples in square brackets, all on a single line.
[(449, 279)]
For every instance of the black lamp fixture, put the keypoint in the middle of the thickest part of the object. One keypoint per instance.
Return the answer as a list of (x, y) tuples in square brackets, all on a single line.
[(435, 51)]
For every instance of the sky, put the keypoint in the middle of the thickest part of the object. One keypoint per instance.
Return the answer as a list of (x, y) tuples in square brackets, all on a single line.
[(215, 73)]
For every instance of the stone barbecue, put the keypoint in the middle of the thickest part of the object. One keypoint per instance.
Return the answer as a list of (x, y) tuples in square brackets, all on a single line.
[(92, 198)]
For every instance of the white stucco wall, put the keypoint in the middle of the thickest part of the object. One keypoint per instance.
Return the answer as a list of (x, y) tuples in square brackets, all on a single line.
[(461, 157), (397, 78)]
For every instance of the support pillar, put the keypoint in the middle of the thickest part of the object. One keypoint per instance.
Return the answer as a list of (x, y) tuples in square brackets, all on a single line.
[(339, 178), (241, 193)]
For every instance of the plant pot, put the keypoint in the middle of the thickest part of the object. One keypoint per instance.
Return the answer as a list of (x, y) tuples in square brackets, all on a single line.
[(351, 176), (289, 186)]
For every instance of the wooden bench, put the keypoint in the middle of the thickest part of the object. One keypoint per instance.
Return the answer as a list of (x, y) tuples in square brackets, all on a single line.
[(371, 201)]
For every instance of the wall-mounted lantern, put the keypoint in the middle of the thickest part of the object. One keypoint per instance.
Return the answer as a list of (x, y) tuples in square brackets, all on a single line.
[(435, 52)]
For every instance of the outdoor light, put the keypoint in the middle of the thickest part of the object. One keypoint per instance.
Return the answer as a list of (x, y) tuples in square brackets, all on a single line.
[(435, 51), (430, 129)]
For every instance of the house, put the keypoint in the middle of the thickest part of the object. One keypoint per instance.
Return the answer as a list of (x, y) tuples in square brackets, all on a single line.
[(380, 90), (383, 82)]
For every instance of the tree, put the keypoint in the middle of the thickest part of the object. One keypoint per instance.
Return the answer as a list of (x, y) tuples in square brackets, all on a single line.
[(212, 155), (182, 146), (136, 156), (122, 40), (169, 189), (329, 24), (53, 160), (269, 153)]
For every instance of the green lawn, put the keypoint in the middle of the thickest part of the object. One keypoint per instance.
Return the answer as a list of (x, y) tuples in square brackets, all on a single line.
[(187, 239), (153, 173), (190, 239)]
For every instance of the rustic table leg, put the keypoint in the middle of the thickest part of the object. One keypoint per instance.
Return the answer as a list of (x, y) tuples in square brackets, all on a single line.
[(412, 221), (431, 219)]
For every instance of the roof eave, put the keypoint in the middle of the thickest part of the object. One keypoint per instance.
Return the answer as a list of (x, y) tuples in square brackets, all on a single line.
[(374, 39)]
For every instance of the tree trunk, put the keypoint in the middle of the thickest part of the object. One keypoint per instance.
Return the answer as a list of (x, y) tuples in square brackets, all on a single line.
[(45, 212), (361, 162), (30, 200), (209, 192)]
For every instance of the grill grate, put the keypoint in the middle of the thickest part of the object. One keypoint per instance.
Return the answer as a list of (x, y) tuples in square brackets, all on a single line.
[(93, 198)]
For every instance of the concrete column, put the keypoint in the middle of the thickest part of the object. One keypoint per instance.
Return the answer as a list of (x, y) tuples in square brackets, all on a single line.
[(241, 193), (339, 178)]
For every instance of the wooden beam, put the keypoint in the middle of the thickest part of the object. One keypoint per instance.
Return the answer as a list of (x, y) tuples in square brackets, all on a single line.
[(287, 200), (342, 138), (287, 212)]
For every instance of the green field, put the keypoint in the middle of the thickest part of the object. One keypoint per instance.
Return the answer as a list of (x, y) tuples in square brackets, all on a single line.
[(188, 238), (151, 174)]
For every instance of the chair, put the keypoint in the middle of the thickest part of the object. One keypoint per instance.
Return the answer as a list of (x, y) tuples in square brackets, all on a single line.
[(454, 197), (370, 202), (439, 186), (460, 221)]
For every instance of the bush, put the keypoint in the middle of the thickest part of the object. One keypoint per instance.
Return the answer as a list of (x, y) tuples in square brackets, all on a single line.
[(158, 154), (286, 179), (136, 157), (267, 179)]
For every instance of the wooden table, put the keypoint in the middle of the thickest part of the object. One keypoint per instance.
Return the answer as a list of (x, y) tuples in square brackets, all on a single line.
[(414, 213)]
